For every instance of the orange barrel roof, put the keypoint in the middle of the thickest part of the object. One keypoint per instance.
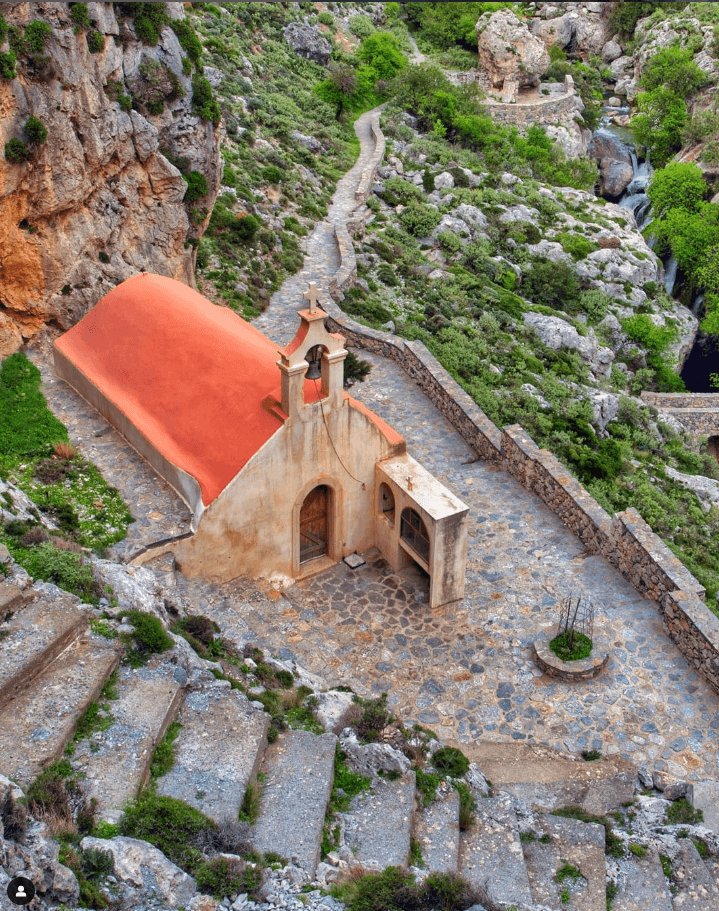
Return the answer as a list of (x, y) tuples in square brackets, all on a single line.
[(190, 375)]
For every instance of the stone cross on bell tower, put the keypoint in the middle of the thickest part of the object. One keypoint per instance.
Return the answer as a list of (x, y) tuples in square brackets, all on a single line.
[(293, 363), (312, 295)]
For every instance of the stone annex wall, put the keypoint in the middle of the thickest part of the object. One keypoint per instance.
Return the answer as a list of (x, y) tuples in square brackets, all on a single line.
[(624, 539), (698, 413)]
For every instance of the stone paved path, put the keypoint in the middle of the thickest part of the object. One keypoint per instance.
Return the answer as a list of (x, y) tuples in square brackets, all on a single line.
[(279, 321), (465, 669)]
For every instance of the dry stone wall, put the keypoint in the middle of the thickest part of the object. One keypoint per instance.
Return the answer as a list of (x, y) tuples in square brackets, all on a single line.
[(697, 413), (625, 539), (548, 111)]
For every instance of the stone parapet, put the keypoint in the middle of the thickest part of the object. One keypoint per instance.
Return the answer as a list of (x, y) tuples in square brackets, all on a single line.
[(625, 540), (363, 188), (698, 413), (548, 110), (695, 631)]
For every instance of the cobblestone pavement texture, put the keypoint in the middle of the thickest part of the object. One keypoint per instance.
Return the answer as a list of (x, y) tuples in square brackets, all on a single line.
[(464, 669)]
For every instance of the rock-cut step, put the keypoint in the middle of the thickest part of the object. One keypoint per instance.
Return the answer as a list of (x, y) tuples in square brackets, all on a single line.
[(379, 823), (579, 845), (643, 885), (34, 635), (299, 772), (37, 724), (697, 888), (217, 750), (491, 857), (116, 762), (437, 831)]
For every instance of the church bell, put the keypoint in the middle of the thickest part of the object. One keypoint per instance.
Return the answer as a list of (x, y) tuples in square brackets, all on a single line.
[(314, 359)]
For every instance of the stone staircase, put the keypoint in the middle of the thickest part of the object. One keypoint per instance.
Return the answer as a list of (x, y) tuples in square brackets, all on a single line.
[(52, 666)]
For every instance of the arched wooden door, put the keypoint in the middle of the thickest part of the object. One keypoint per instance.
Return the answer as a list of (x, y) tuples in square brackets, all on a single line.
[(314, 523)]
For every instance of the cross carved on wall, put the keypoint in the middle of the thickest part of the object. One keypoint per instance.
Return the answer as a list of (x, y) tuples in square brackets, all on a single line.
[(312, 295)]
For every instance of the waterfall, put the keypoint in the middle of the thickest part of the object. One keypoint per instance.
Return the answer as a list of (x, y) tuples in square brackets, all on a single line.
[(670, 274)]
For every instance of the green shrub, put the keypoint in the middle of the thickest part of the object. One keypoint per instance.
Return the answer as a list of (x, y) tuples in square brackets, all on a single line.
[(196, 187), (189, 42), (674, 69), (35, 36), (16, 152), (361, 26), (271, 174), (79, 15), (419, 219), (326, 18), (551, 284), (163, 758), (7, 66), (355, 369), (222, 877), (64, 568), (594, 304), (451, 761), (3, 28), (95, 41), (103, 257), (681, 812), (149, 637), (168, 824), (35, 130), (204, 104), (678, 185), (576, 245)]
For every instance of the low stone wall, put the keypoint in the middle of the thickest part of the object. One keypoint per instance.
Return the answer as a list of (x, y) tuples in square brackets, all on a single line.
[(363, 188), (625, 539), (525, 115), (681, 399)]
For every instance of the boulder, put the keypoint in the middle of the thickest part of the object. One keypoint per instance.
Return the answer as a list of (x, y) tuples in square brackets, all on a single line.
[(611, 51), (309, 142), (520, 213), (370, 758), (605, 144), (443, 181), (471, 216), (213, 76), (708, 492), (307, 41), (559, 31), (136, 587), (556, 333), (508, 50), (142, 866), (615, 177)]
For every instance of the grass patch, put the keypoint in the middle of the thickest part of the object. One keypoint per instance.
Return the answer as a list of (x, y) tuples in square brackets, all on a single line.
[(415, 853), (581, 648), (467, 805), (638, 850), (591, 755), (682, 812), (250, 808), (395, 889), (426, 783), (346, 785), (667, 868), (164, 756), (450, 761)]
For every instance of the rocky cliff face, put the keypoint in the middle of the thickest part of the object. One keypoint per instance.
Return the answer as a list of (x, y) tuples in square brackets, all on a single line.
[(98, 201)]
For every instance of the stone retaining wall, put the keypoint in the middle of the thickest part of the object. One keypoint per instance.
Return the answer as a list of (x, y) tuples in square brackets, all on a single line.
[(698, 413), (625, 539), (363, 188)]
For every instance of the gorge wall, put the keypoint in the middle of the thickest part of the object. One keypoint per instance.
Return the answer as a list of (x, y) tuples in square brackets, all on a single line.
[(98, 201)]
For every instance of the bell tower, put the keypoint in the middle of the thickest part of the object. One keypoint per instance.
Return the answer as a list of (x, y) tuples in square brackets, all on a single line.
[(316, 355)]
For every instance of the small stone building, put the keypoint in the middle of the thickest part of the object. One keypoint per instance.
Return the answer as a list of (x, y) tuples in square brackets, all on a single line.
[(284, 472)]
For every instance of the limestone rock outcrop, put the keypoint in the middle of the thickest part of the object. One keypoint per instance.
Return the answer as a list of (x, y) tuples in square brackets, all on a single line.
[(98, 201), (579, 27), (306, 41), (508, 50), (556, 333)]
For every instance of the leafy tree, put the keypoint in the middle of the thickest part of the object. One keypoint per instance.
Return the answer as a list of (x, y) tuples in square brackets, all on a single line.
[(627, 13), (382, 52), (419, 219), (660, 124), (7, 66), (673, 68), (347, 88), (203, 102), (189, 42), (445, 24), (690, 235), (678, 185)]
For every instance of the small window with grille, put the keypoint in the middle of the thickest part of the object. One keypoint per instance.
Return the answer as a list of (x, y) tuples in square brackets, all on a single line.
[(386, 503), (413, 531)]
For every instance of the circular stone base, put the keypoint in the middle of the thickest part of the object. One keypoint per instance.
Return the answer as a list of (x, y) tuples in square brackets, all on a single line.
[(584, 669)]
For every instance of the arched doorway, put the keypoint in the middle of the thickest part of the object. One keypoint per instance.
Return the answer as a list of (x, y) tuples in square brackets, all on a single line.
[(314, 524)]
